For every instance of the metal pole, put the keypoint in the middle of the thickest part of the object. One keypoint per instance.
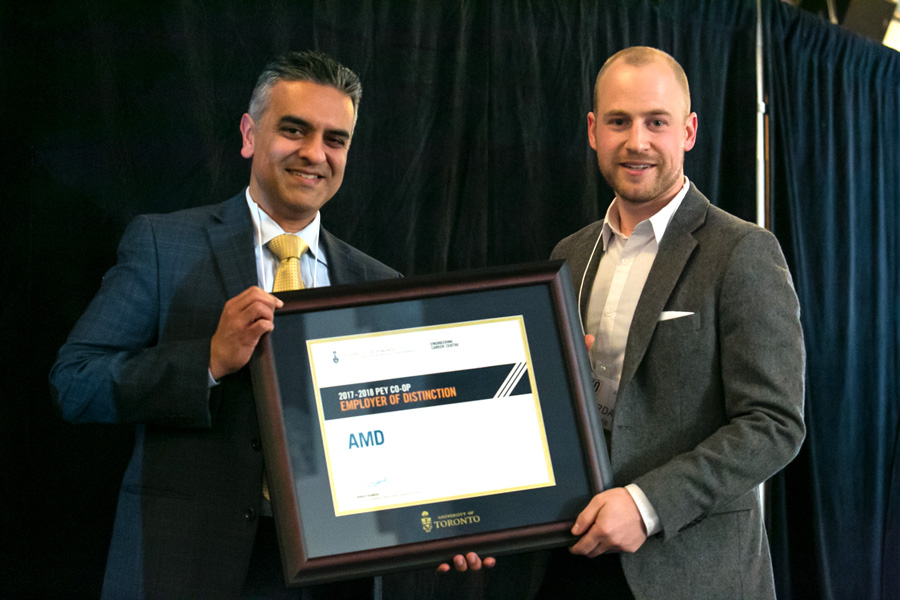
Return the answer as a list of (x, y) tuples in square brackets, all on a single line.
[(760, 124), (760, 169)]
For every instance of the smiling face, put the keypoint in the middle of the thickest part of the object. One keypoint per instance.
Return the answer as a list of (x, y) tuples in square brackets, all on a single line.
[(641, 130), (299, 149)]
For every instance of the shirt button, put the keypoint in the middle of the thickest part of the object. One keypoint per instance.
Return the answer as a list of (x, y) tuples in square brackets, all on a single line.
[(254, 443), (249, 514)]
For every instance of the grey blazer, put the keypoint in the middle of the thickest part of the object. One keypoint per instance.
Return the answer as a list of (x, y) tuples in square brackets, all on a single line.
[(186, 517), (710, 405)]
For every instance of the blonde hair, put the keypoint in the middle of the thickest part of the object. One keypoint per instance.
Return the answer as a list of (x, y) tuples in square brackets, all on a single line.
[(639, 56)]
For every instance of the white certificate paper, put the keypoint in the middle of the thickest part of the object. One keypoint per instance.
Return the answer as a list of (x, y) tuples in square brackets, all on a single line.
[(429, 414)]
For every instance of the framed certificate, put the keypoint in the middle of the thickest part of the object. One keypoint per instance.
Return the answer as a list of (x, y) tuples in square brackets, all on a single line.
[(406, 421)]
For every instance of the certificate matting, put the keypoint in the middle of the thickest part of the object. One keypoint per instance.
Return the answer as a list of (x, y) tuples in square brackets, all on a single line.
[(323, 538)]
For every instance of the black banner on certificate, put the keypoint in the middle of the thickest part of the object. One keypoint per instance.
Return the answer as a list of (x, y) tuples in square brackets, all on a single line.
[(420, 391)]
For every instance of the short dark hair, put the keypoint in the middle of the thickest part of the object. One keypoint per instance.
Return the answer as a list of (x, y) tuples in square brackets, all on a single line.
[(307, 65)]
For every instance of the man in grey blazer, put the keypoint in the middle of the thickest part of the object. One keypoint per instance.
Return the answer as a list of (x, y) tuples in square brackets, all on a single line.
[(698, 360), (166, 341)]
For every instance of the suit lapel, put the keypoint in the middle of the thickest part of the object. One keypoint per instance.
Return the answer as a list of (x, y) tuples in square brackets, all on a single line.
[(677, 246), (583, 274), (588, 285), (341, 268), (231, 239)]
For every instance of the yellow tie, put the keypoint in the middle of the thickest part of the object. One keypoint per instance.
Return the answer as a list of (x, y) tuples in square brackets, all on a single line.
[(288, 249)]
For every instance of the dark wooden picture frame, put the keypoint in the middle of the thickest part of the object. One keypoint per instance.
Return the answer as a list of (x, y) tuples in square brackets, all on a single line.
[(317, 546)]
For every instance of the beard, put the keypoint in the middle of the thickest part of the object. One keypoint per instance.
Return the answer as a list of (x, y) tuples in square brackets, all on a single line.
[(659, 181)]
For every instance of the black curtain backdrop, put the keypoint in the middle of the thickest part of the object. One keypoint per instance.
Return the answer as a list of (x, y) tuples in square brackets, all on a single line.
[(834, 100), (470, 151)]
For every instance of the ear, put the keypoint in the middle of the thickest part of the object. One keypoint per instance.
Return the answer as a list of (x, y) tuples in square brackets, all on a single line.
[(591, 123), (247, 131), (690, 130)]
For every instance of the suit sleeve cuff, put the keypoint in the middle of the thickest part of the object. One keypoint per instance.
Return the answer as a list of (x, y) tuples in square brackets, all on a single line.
[(648, 513)]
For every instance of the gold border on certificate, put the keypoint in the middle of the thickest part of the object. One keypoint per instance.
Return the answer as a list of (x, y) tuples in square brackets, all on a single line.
[(397, 355)]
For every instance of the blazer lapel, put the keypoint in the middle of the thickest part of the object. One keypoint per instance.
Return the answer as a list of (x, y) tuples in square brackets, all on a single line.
[(231, 240), (583, 274), (677, 246), (341, 268)]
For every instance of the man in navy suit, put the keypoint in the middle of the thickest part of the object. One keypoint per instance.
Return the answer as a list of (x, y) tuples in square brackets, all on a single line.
[(166, 342)]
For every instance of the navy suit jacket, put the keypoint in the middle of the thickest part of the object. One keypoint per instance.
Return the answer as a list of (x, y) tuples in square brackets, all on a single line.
[(187, 512)]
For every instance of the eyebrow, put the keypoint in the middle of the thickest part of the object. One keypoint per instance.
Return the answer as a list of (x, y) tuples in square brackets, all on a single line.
[(300, 122), (623, 113)]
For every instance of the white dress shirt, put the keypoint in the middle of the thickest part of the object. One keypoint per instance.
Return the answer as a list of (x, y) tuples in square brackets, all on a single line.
[(313, 263), (621, 274)]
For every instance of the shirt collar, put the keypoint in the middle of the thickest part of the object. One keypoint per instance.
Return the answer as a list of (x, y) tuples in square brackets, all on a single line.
[(265, 226), (659, 221)]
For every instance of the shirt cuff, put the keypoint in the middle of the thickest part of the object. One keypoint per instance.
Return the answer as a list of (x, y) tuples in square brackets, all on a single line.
[(648, 513), (211, 380)]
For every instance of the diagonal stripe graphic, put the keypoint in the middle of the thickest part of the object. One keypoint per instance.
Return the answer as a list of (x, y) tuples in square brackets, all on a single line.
[(511, 380)]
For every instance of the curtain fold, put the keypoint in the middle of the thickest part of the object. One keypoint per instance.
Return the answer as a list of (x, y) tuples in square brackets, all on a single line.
[(834, 99)]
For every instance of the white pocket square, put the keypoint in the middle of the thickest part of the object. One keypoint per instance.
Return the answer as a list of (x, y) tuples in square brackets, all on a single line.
[(668, 315)]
